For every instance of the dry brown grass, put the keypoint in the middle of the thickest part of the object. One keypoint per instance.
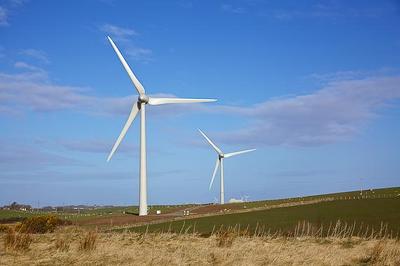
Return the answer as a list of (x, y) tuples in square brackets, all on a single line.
[(62, 242), (224, 247), (88, 242), (16, 241), (4, 228)]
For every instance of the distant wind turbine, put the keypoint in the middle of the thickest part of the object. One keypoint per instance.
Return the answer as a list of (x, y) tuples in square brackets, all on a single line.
[(220, 161), (143, 99)]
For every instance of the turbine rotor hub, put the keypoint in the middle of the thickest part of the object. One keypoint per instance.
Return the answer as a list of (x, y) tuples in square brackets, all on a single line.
[(143, 99), (221, 156)]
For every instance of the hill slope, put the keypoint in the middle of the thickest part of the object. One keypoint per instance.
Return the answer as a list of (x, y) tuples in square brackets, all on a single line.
[(363, 212)]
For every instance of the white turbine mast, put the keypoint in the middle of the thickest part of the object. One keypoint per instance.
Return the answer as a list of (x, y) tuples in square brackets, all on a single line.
[(139, 105), (220, 162)]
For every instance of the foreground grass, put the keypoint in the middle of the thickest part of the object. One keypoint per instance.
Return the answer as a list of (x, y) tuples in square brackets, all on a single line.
[(364, 213), (70, 247)]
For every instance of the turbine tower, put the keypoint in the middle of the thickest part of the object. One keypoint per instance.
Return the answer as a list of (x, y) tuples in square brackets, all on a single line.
[(140, 105), (220, 162)]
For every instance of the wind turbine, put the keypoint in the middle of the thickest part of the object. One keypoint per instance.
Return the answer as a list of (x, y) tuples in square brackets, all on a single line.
[(140, 105), (220, 161)]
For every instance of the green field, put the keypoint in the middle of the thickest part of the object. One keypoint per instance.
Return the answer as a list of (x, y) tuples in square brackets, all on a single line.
[(371, 207), (366, 194), (371, 212), (72, 215)]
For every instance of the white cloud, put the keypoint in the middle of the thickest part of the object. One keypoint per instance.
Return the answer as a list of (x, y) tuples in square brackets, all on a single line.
[(335, 112), (6, 8), (36, 54), (118, 33), (20, 156), (124, 37), (24, 65), (140, 54), (33, 90)]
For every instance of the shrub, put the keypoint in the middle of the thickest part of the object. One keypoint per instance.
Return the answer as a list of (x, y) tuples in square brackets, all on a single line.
[(41, 224), (17, 241), (88, 243)]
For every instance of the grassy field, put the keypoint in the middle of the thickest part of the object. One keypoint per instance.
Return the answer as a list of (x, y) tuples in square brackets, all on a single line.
[(366, 194), (275, 236), (113, 213), (369, 212)]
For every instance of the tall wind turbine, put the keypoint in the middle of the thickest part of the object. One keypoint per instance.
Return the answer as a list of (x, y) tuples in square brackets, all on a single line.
[(220, 162), (140, 105)]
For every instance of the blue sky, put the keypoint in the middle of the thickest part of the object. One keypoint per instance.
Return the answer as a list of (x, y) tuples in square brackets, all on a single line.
[(313, 85)]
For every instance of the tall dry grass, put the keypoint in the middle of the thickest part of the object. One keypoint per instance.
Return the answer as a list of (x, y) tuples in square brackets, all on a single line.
[(62, 242), (16, 241), (225, 246), (88, 242)]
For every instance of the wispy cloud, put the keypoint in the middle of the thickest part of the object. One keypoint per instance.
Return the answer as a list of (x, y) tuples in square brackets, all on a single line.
[(3, 16), (6, 8), (324, 78), (332, 10), (33, 90), (95, 146), (29, 67), (125, 37), (232, 9), (36, 54), (338, 111), (18, 2), (119, 33), (18, 157), (140, 54)]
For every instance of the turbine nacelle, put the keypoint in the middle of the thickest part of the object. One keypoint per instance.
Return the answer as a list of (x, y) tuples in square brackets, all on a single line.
[(143, 99)]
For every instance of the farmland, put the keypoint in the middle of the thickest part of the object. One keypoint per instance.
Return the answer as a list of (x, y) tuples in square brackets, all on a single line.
[(333, 229), (274, 214), (366, 212)]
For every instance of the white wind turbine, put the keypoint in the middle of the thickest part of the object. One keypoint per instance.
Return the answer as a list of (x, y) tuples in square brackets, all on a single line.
[(143, 99), (220, 161)]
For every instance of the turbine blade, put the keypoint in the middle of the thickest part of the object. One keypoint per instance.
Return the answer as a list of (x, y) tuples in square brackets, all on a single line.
[(211, 143), (158, 101), (237, 153), (135, 81), (132, 115), (215, 171)]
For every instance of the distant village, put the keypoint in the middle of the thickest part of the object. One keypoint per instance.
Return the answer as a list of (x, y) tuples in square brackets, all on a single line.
[(70, 208)]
